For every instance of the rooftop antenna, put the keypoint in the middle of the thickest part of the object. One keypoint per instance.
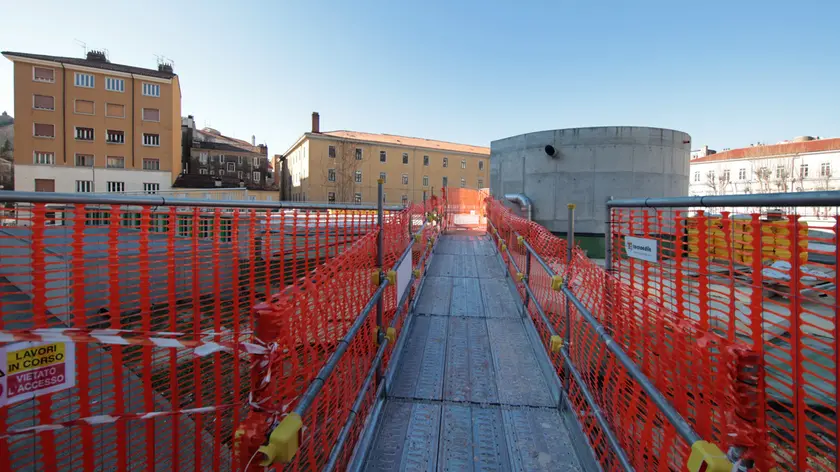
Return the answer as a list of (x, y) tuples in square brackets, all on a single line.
[(161, 59), (81, 44)]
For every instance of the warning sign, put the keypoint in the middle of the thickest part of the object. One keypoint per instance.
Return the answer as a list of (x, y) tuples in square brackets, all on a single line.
[(30, 369)]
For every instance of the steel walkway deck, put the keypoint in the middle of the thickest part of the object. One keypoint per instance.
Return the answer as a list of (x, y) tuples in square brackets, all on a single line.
[(469, 392)]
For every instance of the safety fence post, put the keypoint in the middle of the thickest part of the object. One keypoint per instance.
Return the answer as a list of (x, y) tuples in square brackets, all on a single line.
[(380, 332), (567, 332), (608, 255)]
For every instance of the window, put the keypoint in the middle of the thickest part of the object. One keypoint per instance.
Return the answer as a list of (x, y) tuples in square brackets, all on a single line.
[(425, 160), (116, 187), (331, 197), (44, 158), (220, 158), (480, 165), (742, 173), (255, 162), (256, 176), (202, 158), (726, 175), (405, 158), (202, 171), (357, 198), (383, 177), (463, 163), (221, 172), (711, 175), (115, 162), (463, 183), (114, 84), (383, 156), (84, 107), (44, 185), (697, 176), (239, 160), (231, 167), (384, 197), (331, 151), (43, 74), (445, 182), (425, 180), (151, 164), (42, 130), (115, 137), (151, 188), (779, 170), (84, 80), (151, 139), (331, 175), (825, 169), (212, 171), (151, 90), (358, 154), (405, 179), (84, 186), (151, 114), (43, 102), (480, 182), (84, 134), (239, 175), (445, 162), (404, 200), (358, 177), (114, 110), (803, 171)]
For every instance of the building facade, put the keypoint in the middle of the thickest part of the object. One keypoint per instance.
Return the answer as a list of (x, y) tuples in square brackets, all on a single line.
[(89, 125), (805, 164), (344, 166)]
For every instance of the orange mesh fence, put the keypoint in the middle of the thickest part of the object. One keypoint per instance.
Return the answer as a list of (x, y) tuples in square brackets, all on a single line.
[(465, 207), (126, 331), (763, 288)]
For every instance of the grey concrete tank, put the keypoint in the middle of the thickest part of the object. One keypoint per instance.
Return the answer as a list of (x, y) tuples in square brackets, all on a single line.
[(587, 166)]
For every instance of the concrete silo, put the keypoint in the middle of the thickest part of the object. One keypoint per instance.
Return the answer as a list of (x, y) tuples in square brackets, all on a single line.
[(584, 166)]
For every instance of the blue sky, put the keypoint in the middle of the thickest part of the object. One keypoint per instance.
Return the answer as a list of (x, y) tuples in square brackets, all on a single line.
[(729, 73)]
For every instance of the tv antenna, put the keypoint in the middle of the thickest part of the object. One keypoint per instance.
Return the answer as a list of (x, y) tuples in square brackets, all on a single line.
[(81, 44), (161, 59)]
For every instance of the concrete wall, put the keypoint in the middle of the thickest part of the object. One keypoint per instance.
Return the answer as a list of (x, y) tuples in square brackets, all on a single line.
[(591, 164)]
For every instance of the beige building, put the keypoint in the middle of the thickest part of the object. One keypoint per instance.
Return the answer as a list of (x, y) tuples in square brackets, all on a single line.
[(344, 166), (89, 125)]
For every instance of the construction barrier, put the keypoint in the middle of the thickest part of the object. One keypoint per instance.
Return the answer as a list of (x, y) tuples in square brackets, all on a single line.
[(756, 369), (135, 336), (465, 208)]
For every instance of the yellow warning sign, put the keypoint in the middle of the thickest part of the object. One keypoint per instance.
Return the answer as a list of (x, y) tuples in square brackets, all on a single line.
[(34, 357)]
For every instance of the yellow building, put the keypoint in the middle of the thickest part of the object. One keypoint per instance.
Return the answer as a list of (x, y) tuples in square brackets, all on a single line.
[(89, 125), (344, 166)]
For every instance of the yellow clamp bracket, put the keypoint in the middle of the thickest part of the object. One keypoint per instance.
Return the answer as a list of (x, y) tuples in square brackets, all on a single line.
[(520, 276), (707, 457), (556, 282), (391, 275), (556, 343), (417, 237), (283, 442), (504, 247), (374, 277), (391, 335), (520, 240), (380, 181), (431, 240), (416, 273), (571, 206)]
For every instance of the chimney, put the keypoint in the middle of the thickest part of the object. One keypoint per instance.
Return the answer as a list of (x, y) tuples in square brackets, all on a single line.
[(253, 140), (316, 122), (97, 56)]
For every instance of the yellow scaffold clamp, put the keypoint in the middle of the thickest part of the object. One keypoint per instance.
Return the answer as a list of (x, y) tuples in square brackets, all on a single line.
[(555, 344), (284, 441), (556, 282), (707, 457), (503, 247), (417, 237), (416, 273), (375, 277), (520, 276), (571, 206), (520, 240), (391, 335), (391, 275)]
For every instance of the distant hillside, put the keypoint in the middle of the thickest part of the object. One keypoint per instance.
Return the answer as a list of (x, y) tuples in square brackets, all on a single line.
[(7, 130)]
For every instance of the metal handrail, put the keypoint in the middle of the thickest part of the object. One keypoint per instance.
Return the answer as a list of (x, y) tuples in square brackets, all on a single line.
[(11, 196), (820, 198)]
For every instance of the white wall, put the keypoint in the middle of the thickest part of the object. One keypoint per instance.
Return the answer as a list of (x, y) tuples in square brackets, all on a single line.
[(66, 177)]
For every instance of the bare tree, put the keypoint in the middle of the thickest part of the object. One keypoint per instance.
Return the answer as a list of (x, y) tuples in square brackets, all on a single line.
[(712, 182), (340, 172), (763, 175), (718, 183), (824, 183)]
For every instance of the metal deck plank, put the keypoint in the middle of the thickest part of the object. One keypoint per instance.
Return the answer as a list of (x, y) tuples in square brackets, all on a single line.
[(422, 368), (537, 440), (387, 450), (435, 297), (448, 265), (412, 357), (498, 300), (518, 376), (422, 439), (466, 298), (469, 366), (455, 246), (488, 267)]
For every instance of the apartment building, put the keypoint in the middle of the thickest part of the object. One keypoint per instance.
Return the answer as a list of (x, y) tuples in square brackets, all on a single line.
[(89, 125), (344, 166)]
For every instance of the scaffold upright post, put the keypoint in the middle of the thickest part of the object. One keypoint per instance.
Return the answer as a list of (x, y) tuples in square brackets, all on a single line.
[(379, 261), (567, 331)]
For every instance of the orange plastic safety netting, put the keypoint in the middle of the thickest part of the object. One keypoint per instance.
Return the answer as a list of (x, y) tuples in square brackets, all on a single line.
[(763, 287), (127, 333), (465, 208)]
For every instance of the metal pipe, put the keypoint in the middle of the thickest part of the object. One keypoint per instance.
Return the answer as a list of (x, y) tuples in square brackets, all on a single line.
[(10, 196), (357, 460), (596, 411), (380, 334), (567, 332), (820, 198), (527, 277), (536, 256), (315, 387), (523, 201), (354, 411), (608, 242), (683, 428), (548, 325)]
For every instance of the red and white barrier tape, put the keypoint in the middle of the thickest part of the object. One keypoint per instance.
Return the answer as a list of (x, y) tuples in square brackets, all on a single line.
[(123, 337), (108, 419)]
